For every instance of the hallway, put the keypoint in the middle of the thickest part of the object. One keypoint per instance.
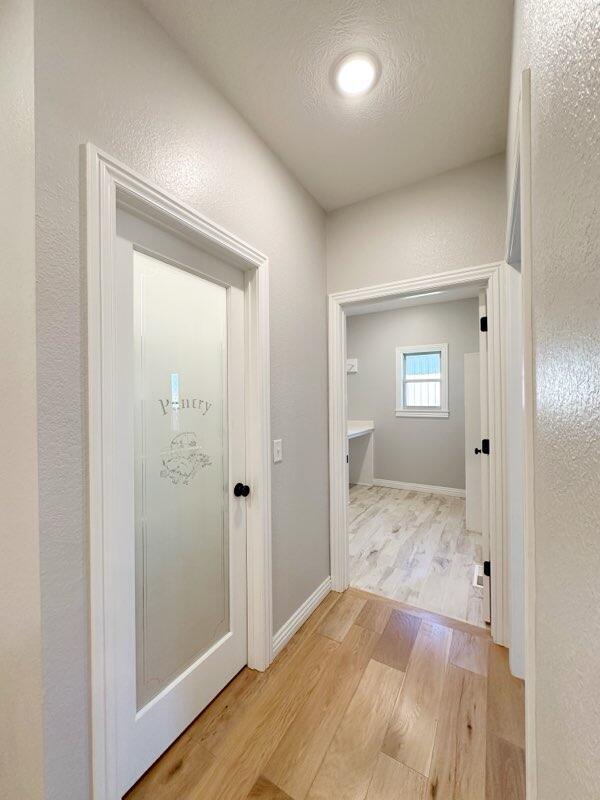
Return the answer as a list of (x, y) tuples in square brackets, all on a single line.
[(413, 547), (254, 254), (366, 702)]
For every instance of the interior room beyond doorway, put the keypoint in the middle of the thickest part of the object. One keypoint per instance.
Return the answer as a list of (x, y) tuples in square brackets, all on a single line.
[(414, 436)]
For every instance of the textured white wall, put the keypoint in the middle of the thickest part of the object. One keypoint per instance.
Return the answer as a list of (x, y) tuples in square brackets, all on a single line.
[(560, 42), (107, 73), (427, 451), (20, 638), (450, 221)]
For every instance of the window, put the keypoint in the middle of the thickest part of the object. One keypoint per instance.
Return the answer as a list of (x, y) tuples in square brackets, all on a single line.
[(422, 381)]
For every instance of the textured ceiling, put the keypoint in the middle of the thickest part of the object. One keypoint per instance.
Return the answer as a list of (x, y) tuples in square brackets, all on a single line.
[(441, 101)]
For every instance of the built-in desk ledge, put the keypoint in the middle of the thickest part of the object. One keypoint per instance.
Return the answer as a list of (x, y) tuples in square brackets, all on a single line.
[(360, 427)]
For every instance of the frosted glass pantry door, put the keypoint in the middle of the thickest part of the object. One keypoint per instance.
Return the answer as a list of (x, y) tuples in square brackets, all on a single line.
[(180, 542), (181, 525)]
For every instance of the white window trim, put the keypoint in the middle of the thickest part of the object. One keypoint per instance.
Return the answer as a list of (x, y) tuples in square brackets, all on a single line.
[(401, 410)]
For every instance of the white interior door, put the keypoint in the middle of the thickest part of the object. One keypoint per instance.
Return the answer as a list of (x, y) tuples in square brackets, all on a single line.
[(472, 442), (484, 463), (180, 542)]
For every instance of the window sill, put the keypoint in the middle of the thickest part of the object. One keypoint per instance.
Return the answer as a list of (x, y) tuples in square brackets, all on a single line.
[(439, 414)]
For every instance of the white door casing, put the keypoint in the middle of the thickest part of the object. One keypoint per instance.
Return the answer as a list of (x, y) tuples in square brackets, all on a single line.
[(529, 392), (472, 440), (111, 185)]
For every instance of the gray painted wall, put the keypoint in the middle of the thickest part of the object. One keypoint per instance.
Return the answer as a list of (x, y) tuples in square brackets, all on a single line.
[(412, 450), (560, 42), (107, 73), (453, 220), (21, 753)]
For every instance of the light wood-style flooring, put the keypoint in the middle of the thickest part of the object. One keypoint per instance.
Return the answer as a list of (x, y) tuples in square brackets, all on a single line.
[(370, 700), (414, 547)]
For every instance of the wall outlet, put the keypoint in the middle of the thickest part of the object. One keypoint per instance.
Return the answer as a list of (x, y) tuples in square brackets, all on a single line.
[(277, 450)]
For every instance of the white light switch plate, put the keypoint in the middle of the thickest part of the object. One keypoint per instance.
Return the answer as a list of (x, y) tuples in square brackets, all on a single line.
[(277, 450), (352, 365)]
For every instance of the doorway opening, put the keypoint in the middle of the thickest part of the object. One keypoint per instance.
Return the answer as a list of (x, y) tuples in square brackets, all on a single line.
[(415, 484), (417, 444)]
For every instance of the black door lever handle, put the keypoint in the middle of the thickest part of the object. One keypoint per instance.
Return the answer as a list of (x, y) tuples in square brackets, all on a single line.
[(477, 451), (240, 490)]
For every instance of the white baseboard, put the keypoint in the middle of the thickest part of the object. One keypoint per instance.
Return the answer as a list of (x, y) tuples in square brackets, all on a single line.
[(420, 487), (299, 617)]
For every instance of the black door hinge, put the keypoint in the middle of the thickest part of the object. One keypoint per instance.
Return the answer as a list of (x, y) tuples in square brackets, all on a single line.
[(347, 459), (485, 446), (487, 569), (483, 324)]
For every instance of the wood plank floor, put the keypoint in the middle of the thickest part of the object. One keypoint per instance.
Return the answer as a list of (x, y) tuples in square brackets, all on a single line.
[(370, 700), (414, 547)]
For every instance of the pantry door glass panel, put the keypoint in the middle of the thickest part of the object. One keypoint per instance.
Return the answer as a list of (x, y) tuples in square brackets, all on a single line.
[(180, 458)]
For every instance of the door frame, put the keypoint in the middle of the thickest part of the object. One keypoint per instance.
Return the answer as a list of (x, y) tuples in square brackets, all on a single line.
[(491, 277), (111, 185), (520, 246)]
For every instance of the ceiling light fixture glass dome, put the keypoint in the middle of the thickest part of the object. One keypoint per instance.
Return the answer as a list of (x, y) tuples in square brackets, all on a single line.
[(355, 74)]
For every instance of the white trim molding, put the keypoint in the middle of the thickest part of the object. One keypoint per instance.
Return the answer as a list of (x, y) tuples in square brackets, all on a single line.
[(338, 448), (300, 615), (529, 394), (489, 277), (432, 414), (109, 185), (419, 487)]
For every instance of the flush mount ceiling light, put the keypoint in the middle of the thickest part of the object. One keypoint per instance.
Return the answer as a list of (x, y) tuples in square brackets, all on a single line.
[(355, 74)]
